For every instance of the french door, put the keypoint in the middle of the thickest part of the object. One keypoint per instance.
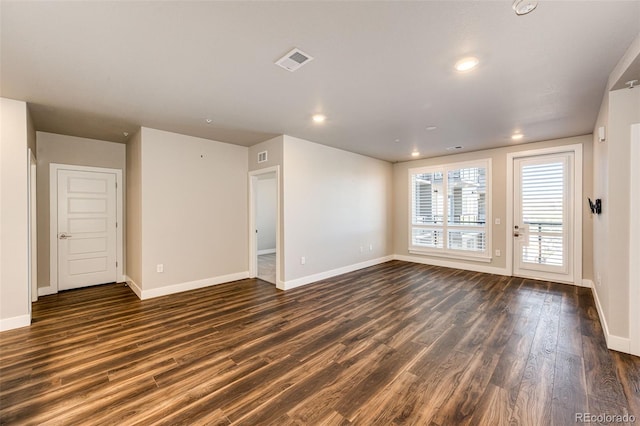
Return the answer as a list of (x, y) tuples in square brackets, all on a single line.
[(543, 217)]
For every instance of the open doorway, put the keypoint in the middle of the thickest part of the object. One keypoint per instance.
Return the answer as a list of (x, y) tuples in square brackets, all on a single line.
[(264, 225)]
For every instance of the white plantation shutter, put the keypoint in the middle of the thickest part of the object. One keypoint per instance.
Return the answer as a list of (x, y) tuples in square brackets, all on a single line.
[(449, 209), (467, 190), (427, 209), (543, 212)]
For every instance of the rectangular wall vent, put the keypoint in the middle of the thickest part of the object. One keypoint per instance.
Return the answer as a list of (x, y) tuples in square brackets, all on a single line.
[(262, 157), (294, 60)]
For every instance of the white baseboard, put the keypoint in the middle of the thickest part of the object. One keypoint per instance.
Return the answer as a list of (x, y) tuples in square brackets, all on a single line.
[(46, 291), (186, 286), (15, 322), (453, 264), (616, 343), (586, 283), (133, 286), (298, 282), (266, 251)]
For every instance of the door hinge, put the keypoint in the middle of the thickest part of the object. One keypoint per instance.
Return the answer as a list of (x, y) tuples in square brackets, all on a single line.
[(116, 263), (116, 224), (116, 185)]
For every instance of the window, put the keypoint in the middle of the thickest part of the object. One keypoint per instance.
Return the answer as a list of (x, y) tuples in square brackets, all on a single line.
[(449, 210)]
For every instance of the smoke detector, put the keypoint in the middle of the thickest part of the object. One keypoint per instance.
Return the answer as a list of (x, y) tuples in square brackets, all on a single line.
[(293, 60)]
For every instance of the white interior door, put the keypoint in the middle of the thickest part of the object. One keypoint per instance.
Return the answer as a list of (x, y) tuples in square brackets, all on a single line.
[(543, 225), (87, 233)]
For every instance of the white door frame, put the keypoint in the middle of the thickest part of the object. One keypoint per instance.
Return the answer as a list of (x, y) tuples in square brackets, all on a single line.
[(53, 219), (253, 244), (634, 243), (577, 204)]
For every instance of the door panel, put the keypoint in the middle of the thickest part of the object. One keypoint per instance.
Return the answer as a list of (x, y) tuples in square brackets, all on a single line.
[(543, 212), (86, 228)]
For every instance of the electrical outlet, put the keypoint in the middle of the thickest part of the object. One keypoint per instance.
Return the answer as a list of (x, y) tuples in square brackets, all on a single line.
[(370, 247), (303, 260), (497, 221), (159, 267), (498, 253), (599, 280)]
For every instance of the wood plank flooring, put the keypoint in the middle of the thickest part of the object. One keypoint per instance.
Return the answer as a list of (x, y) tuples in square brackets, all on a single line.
[(396, 343)]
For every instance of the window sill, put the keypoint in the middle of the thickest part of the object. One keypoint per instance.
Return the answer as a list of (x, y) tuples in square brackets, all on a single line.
[(450, 255)]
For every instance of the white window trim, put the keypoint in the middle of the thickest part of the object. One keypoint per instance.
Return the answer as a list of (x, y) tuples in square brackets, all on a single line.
[(444, 252)]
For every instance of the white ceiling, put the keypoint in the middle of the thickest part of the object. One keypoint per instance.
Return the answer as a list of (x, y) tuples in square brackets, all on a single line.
[(382, 70)]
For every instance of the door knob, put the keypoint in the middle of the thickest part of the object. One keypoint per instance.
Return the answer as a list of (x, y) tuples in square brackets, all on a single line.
[(64, 236)]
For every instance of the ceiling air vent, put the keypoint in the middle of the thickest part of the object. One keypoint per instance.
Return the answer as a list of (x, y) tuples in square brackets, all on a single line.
[(262, 157), (293, 60)]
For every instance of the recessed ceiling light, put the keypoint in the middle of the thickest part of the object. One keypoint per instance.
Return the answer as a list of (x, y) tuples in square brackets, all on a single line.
[(454, 148), (522, 7), (209, 121), (125, 134), (430, 128), (415, 154), (397, 140), (319, 118), (517, 136), (467, 64)]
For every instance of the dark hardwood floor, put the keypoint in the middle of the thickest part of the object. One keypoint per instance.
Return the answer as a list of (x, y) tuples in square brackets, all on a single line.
[(396, 343)]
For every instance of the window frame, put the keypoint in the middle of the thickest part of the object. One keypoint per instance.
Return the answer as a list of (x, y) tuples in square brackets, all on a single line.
[(445, 251)]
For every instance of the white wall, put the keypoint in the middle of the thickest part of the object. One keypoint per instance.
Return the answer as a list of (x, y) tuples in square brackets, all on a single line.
[(620, 109), (14, 214), (194, 212), (600, 222), (266, 212), (63, 149), (133, 237), (334, 203)]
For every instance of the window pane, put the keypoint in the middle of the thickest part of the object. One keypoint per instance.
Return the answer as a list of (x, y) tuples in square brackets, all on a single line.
[(428, 199), (542, 193), (467, 193), (427, 238), (467, 240)]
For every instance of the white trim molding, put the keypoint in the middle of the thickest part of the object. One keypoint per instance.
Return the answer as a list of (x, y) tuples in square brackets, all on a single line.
[(616, 343), (53, 218), (586, 283), (133, 286), (309, 279), (453, 264), (46, 291), (186, 286), (15, 322)]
